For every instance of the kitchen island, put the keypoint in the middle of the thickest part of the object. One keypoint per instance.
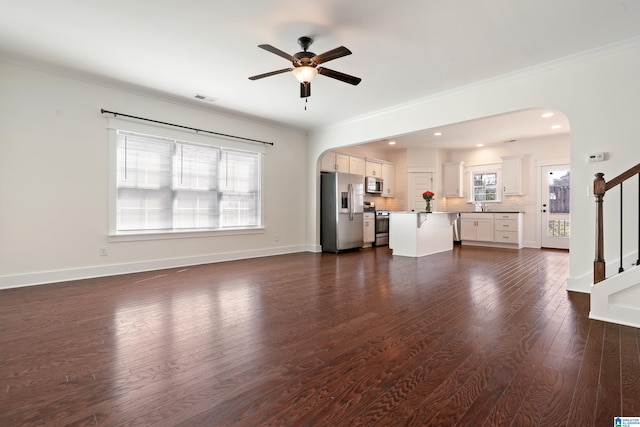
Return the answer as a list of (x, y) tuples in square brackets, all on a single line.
[(417, 234)]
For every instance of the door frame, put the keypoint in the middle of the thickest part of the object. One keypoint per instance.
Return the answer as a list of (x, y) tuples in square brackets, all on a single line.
[(540, 164)]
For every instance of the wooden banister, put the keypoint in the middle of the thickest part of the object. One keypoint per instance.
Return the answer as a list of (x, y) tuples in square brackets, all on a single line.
[(600, 187), (622, 177)]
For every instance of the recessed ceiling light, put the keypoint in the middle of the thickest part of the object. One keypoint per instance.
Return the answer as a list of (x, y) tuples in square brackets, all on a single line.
[(392, 143), (547, 115), (556, 126), (437, 134), (479, 145)]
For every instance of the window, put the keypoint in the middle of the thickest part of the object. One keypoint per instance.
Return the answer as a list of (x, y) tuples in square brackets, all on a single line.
[(168, 185), (484, 187)]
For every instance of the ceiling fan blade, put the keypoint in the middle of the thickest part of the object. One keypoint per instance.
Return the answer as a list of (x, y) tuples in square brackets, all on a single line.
[(277, 51), (305, 90), (272, 73), (338, 52), (339, 76)]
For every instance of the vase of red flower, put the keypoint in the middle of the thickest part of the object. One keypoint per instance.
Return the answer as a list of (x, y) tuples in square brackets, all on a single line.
[(427, 196)]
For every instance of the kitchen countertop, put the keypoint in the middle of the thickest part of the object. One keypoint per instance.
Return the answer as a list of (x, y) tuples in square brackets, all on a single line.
[(474, 212), (421, 212), (460, 212)]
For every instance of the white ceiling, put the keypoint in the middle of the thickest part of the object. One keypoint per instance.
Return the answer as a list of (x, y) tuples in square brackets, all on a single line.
[(403, 50)]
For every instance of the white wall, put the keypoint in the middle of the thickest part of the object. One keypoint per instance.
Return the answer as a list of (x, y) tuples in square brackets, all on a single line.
[(53, 182), (598, 91)]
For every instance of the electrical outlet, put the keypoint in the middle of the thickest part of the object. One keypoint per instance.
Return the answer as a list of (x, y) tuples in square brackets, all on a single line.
[(103, 251)]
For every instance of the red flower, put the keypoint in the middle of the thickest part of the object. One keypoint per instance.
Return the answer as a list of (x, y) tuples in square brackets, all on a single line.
[(428, 195)]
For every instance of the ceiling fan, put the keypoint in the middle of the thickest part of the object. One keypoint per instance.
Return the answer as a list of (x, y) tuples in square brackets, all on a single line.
[(305, 65)]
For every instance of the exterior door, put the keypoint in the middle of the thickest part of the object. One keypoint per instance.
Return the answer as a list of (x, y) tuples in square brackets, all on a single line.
[(555, 217), (419, 182)]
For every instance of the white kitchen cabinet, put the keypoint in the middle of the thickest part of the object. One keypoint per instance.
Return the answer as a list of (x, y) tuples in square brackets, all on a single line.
[(452, 179), (508, 228), (369, 228), (476, 227), (335, 162), (373, 168), (356, 165), (512, 176), (388, 180), (498, 229)]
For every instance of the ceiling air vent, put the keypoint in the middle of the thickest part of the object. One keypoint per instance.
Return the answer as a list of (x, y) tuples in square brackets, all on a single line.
[(205, 98)]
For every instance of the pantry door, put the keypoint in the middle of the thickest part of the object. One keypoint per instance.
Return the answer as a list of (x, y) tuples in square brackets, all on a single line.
[(419, 182), (555, 214)]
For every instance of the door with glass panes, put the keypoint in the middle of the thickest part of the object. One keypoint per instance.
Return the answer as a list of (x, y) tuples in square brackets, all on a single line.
[(555, 212)]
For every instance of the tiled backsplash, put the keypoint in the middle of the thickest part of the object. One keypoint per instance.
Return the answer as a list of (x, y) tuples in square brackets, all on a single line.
[(386, 203)]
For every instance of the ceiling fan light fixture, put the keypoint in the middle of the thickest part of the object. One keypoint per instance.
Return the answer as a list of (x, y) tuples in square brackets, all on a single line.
[(304, 73)]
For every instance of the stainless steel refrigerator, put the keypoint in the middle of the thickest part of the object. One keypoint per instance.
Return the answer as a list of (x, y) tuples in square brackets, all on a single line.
[(341, 210)]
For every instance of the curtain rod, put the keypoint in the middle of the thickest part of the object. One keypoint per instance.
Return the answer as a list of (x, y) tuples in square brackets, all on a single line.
[(103, 111)]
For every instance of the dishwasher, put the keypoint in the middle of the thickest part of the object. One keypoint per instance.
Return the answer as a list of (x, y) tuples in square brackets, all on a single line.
[(456, 230)]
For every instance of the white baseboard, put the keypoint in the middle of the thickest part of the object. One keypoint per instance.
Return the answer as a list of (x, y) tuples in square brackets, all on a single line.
[(580, 284), (56, 276), (624, 316)]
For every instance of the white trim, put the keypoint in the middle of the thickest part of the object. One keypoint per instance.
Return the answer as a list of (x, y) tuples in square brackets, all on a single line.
[(133, 236), (56, 276)]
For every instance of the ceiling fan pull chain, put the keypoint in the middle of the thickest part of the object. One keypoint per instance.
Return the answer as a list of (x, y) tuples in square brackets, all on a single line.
[(306, 100)]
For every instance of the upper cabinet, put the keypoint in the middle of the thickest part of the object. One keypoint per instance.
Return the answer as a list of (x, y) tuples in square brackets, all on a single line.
[(356, 165), (340, 162), (388, 180), (512, 176), (452, 179), (335, 162), (373, 168)]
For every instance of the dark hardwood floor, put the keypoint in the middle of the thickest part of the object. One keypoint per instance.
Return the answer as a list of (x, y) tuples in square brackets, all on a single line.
[(472, 337)]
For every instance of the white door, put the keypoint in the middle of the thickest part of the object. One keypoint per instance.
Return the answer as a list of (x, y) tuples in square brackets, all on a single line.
[(555, 217), (419, 182)]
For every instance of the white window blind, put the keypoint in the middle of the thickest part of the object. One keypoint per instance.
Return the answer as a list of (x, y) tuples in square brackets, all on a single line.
[(195, 183), (240, 187), (144, 183), (170, 185)]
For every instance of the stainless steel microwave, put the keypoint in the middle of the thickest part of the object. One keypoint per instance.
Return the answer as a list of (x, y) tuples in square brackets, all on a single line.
[(373, 185)]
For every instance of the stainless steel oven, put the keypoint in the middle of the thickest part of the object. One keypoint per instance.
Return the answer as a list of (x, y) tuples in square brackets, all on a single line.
[(382, 228)]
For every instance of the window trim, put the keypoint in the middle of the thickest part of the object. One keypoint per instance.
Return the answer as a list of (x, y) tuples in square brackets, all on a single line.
[(161, 131)]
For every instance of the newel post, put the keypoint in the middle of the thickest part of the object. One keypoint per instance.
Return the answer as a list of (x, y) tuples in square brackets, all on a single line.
[(599, 188)]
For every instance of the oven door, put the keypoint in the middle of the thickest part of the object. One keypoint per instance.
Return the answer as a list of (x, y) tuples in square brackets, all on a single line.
[(382, 229)]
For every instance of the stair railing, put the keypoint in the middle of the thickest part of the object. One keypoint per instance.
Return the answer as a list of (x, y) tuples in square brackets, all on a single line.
[(600, 187)]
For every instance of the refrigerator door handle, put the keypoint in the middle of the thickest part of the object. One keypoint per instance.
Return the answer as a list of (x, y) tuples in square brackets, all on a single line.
[(350, 201)]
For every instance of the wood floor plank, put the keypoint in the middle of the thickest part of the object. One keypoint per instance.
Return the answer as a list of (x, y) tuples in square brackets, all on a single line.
[(630, 371), (583, 405), (468, 337), (609, 403)]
